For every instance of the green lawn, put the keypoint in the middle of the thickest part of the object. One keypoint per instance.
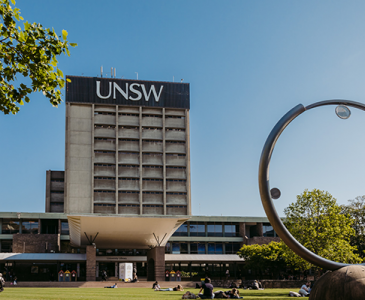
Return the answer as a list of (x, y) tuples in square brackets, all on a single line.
[(123, 293)]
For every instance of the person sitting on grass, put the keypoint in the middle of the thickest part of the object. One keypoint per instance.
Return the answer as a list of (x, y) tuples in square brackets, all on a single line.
[(208, 290), (305, 289), (115, 286), (176, 288), (156, 286)]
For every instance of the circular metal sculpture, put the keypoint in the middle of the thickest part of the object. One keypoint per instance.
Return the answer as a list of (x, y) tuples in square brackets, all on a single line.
[(343, 112)]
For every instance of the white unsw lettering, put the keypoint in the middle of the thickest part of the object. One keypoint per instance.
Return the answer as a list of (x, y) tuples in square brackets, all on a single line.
[(132, 88), (147, 97)]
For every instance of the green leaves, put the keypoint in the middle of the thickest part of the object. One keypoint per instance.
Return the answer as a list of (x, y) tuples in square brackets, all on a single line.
[(32, 53)]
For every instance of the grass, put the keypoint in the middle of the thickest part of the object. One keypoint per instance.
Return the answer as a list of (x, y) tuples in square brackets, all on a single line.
[(123, 293)]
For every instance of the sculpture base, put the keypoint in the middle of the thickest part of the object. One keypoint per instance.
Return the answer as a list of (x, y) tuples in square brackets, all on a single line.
[(347, 283)]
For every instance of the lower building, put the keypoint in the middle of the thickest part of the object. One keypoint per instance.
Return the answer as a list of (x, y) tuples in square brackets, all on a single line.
[(38, 246)]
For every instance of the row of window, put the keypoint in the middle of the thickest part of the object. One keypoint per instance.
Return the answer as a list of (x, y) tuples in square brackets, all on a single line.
[(207, 229), (202, 248), (137, 192), (30, 227), (137, 166)]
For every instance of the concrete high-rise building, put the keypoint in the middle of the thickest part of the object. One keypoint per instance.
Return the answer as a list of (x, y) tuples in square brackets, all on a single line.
[(127, 147)]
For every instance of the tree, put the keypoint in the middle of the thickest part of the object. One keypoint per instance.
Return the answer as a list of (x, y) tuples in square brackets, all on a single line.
[(316, 221), (356, 211), (263, 257), (28, 53)]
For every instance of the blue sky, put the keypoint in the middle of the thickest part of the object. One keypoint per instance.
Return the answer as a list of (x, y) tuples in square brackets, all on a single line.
[(247, 62)]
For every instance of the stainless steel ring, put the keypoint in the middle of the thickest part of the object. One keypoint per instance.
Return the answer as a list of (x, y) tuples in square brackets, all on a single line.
[(264, 184)]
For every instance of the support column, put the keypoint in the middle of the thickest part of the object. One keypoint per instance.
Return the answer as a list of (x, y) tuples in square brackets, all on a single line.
[(90, 263), (260, 229), (242, 232), (156, 264)]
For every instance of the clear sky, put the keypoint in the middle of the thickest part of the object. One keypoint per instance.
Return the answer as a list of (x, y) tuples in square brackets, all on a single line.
[(247, 62)]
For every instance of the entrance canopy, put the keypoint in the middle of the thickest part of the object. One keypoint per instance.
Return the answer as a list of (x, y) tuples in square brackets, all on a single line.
[(41, 257), (122, 232)]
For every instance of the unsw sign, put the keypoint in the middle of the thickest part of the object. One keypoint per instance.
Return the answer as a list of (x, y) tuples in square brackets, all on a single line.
[(127, 92)]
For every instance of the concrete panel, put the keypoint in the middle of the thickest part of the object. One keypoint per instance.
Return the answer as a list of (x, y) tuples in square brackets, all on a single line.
[(152, 146), (175, 135), (128, 145), (104, 209), (80, 137), (152, 159), (128, 171), (79, 164), (80, 150), (128, 197), (176, 173), (152, 198), (133, 110), (76, 124), (128, 120), (104, 171), (125, 132), (129, 209), (56, 197), (80, 111), (152, 210), (104, 197), (176, 186), (57, 186), (79, 177), (151, 121), (128, 185), (104, 132), (176, 210), (76, 190), (104, 119), (149, 185), (175, 160), (104, 184), (152, 111), (79, 205), (176, 148), (175, 123), (152, 134), (176, 199), (105, 108), (104, 144), (128, 158), (108, 158), (175, 112), (152, 172), (57, 208)]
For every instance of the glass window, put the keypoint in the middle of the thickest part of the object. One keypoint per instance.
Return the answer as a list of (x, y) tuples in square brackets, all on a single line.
[(268, 230), (232, 248), (218, 248), (230, 230), (168, 248), (197, 229), (6, 246), (175, 248), (182, 230), (201, 248), (184, 248), (193, 248), (215, 229), (211, 248), (29, 226), (10, 226), (64, 228)]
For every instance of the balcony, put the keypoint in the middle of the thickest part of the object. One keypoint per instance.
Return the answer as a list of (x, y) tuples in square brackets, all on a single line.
[(152, 172), (152, 158), (175, 123), (128, 171), (152, 198), (128, 132), (104, 209), (128, 120), (176, 186), (108, 158), (152, 185), (128, 185), (152, 209), (153, 146), (175, 135), (104, 132), (128, 209), (152, 133), (108, 144), (175, 173), (175, 160), (176, 199), (128, 197), (104, 119), (104, 197), (175, 147), (128, 158), (104, 171), (176, 210), (104, 184), (151, 121), (128, 145)]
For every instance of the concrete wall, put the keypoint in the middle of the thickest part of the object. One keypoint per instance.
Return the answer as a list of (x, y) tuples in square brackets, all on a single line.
[(104, 132), (152, 172), (155, 133), (152, 198), (151, 121), (128, 198), (175, 147), (152, 146), (79, 153), (90, 263), (128, 145), (128, 120), (104, 170), (34, 243), (104, 197)]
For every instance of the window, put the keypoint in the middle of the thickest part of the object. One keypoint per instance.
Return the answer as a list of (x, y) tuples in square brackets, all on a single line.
[(175, 248), (215, 229), (29, 226), (182, 230), (168, 248), (6, 246), (215, 248), (10, 226), (197, 229), (64, 228), (268, 230), (232, 248), (230, 230)]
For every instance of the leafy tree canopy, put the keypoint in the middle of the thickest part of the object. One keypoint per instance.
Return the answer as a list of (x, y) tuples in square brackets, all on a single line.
[(356, 211), (316, 221), (31, 53)]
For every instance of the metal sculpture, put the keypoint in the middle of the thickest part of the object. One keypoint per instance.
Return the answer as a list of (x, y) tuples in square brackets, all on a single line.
[(267, 195)]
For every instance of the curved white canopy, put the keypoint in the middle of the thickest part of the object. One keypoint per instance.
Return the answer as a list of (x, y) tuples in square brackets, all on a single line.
[(122, 232)]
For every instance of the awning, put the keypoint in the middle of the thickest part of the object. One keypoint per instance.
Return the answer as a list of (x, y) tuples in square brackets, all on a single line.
[(42, 257), (203, 258), (122, 232)]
